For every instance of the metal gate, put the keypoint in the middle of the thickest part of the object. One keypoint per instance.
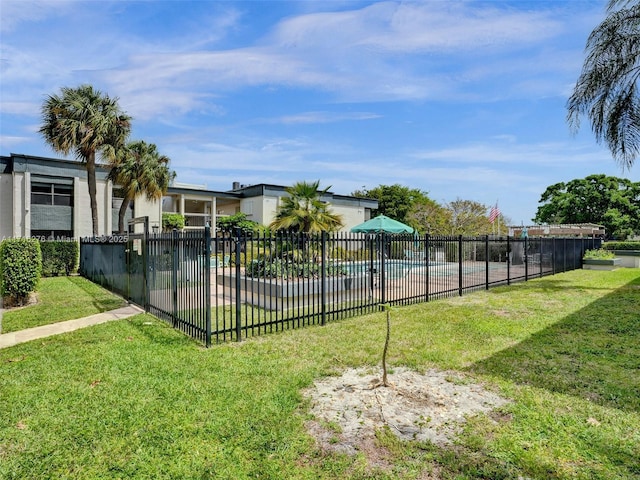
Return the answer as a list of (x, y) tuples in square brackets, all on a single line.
[(137, 258)]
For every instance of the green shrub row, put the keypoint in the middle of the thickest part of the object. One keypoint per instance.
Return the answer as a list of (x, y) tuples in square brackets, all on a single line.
[(621, 246), (598, 254), (172, 221), (59, 258), (20, 268), (279, 268)]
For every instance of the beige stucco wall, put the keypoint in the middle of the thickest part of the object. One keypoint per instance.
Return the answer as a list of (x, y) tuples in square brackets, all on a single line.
[(142, 207), (19, 215), (260, 209), (263, 210), (6, 206), (82, 223), (351, 216), (83, 226)]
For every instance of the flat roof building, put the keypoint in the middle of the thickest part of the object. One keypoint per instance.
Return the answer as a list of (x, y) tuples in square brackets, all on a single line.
[(49, 198)]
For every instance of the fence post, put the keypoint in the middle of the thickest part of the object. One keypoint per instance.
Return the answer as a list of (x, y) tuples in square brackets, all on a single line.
[(323, 278), (238, 252), (460, 265), (207, 281), (486, 259), (174, 275), (508, 261), (383, 277), (426, 255), (526, 260), (146, 265), (540, 253)]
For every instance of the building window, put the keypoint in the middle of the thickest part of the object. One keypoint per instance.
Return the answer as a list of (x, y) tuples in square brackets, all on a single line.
[(51, 194)]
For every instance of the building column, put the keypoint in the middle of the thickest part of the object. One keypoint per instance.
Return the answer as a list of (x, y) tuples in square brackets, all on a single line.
[(26, 224), (108, 198), (21, 191), (159, 229), (214, 214), (76, 208)]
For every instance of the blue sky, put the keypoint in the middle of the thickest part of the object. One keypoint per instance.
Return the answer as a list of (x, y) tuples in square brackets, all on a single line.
[(459, 99)]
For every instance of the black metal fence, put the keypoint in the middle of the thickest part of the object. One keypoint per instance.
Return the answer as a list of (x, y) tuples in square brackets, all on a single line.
[(166, 274), (233, 287)]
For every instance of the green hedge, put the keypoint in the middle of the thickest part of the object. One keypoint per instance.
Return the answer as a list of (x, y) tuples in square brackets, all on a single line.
[(621, 246), (59, 257), (172, 221), (20, 268)]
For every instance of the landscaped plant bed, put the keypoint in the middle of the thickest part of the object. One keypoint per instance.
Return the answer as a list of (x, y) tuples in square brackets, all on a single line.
[(627, 251), (600, 263), (283, 293), (628, 258)]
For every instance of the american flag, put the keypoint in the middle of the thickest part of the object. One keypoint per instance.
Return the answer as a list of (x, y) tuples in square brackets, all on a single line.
[(494, 213)]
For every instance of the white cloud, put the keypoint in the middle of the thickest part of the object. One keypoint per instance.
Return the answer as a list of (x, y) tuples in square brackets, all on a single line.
[(14, 13), (10, 142), (382, 52), (325, 117)]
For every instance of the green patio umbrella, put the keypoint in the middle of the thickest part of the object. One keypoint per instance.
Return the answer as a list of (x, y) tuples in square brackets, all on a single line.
[(382, 223)]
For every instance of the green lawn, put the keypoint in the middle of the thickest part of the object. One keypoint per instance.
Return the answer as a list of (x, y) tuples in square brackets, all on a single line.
[(59, 299), (136, 399)]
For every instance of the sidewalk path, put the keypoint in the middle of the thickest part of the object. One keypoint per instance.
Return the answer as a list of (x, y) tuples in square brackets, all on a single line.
[(13, 338)]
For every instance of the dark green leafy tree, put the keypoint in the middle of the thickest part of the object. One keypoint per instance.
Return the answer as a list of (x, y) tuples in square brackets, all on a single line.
[(231, 223), (84, 121), (428, 216), (468, 218), (394, 201), (140, 170), (609, 201), (305, 211), (607, 89), (172, 221)]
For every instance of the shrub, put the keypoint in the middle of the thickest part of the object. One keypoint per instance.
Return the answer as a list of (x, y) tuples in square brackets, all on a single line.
[(20, 268), (172, 221), (238, 221), (599, 254), (59, 258), (621, 246), (280, 268), (340, 253)]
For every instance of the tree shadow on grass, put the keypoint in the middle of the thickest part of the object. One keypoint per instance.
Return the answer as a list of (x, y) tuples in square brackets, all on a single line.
[(110, 301), (593, 353), (546, 285)]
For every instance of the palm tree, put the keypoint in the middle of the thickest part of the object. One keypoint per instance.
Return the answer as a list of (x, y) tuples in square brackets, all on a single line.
[(304, 211), (606, 91), (139, 169), (84, 121)]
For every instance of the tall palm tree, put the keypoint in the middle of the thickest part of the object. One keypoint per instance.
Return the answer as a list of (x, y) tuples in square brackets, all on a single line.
[(304, 211), (607, 91), (84, 121), (140, 170)]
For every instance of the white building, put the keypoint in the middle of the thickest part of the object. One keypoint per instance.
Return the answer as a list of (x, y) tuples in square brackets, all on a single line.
[(48, 197)]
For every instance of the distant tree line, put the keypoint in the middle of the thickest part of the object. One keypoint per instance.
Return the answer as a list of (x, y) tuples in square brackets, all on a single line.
[(609, 201), (414, 207)]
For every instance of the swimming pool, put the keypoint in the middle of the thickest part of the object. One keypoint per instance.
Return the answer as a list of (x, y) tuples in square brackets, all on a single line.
[(392, 266)]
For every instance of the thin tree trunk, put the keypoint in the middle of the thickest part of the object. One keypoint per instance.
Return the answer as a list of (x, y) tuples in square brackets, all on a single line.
[(385, 381), (91, 180), (121, 213)]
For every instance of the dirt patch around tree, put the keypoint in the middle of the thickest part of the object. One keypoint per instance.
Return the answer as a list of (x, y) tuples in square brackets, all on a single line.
[(349, 409)]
